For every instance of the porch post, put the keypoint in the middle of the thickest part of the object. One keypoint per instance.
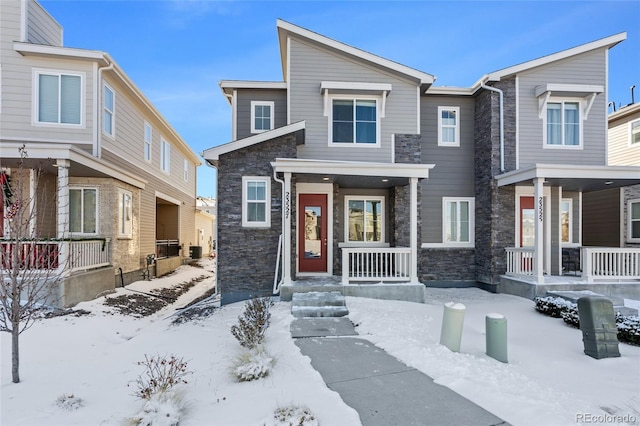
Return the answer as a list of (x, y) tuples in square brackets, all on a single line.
[(286, 232), (538, 267), (63, 212), (414, 229)]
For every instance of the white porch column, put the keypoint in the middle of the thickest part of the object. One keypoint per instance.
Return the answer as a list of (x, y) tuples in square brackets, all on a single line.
[(286, 232), (63, 211), (414, 228), (538, 267)]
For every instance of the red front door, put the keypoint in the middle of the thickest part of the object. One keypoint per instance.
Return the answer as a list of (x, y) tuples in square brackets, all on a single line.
[(312, 233)]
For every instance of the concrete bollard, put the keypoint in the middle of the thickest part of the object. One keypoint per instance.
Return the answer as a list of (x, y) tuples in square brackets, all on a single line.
[(452, 321), (496, 332)]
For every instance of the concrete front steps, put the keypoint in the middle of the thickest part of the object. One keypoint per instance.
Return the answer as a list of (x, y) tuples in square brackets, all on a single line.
[(318, 304)]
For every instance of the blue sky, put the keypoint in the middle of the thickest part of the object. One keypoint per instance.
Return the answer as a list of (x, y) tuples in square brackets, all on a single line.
[(177, 51)]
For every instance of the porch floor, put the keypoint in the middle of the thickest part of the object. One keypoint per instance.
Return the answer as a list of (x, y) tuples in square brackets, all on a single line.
[(376, 290), (527, 287)]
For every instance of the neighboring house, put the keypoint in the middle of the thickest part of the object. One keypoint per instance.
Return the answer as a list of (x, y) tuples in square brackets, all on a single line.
[(119, 183), (205, 225), (357, 166)]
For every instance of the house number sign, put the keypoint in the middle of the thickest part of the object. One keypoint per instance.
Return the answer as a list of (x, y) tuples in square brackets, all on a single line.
[(287, 208), (540, 209)]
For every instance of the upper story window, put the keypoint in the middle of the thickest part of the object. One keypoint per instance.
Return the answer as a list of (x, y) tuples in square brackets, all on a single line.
[(365, 219), (125, 214), (148, 133), (458, 221), (634, 128), (354, 121), (563, 123), (256, 210), (448, 126), (633, 224), (165, 156), (261, 116), (109, 107), (58, 98), (83, 210)]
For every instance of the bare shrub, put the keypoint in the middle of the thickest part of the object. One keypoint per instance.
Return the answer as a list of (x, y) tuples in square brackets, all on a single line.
[(160, 375), (253, 323)]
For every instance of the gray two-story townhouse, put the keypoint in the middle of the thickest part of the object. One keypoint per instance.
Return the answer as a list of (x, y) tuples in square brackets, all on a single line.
[(357, 172), (117, 187)]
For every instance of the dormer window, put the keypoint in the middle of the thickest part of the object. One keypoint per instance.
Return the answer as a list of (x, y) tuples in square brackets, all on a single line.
[(261, 116)]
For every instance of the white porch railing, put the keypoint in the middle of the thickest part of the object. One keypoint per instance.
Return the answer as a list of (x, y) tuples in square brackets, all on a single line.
[(88, 254), (376, 264), (520, 261), (610, 263)]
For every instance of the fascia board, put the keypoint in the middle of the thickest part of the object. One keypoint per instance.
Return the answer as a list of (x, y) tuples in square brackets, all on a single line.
[(353, 168), (568, 171), (30, 49)]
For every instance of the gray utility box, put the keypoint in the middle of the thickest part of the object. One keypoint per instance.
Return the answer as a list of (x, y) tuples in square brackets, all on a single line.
[(598, 325)]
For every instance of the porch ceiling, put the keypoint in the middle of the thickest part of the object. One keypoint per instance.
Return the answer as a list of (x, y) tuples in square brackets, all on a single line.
[(574, 178)]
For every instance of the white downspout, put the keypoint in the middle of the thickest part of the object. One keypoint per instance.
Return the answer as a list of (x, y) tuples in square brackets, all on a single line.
[(98, 97), (276, 285), (493, 89)]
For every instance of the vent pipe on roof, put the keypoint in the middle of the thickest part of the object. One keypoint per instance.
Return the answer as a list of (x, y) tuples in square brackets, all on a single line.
[(612, 104), (633, 101), (493, 89)]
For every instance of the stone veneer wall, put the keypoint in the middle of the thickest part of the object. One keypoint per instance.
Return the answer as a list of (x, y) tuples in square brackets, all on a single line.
[(495, 207), (247, 256)]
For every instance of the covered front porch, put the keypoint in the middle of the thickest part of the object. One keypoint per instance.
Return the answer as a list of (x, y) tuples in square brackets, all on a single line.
[(350, 227)]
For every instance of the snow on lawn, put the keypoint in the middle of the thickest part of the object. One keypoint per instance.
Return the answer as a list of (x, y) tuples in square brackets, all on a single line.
[(548, 380)]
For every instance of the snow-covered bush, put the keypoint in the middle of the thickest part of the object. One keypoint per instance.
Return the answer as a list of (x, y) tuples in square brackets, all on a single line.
[(161, 374), (161, 409), (253, 323), (293, 416), (69, 402), (571, 316), (628, 329), (252, 365), (552, 306)]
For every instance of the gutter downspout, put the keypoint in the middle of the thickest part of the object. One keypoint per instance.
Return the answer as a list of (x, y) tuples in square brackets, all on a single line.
[(97, 151), (281, 182), (493, 89)]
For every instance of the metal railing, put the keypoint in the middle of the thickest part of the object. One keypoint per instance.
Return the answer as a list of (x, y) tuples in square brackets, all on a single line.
[(376, 264), (167, 248)]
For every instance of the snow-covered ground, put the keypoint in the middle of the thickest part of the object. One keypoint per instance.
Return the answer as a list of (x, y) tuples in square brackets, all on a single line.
[(548, 381)]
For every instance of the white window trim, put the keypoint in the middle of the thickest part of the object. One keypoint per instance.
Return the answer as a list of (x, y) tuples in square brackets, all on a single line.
[(472, 215), (97, 189), (630, 239), (185, 170), (457, 126), (570, 242), (165, 156), (146, 142), (267, 216), (121, 194), (581, 120), (113, 113), (631, 123), (353, 144), (365, 198), (35, 113), (254, 104)]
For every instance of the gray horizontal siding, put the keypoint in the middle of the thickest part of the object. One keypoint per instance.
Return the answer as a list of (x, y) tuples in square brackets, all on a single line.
[(311, 64), (41, 27), (453, 174), (587, 68), (243, 108)]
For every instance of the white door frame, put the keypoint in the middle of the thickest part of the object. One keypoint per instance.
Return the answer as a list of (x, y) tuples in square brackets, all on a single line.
[(316, 188)]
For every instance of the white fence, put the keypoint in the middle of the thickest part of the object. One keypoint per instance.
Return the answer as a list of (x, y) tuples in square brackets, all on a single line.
[(376, 264), (88, 254), (609, 263), (520, 261)]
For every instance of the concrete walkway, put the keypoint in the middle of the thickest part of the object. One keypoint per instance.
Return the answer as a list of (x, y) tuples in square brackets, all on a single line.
[(383, 390)]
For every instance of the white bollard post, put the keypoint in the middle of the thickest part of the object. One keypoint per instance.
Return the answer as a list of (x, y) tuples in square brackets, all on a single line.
[(496, 332), (452, 322)]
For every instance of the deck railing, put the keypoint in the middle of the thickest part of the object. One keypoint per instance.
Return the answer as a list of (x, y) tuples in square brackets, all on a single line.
[(376, 264), (88, 254), (610, 263), (167, 248), (520, 261)]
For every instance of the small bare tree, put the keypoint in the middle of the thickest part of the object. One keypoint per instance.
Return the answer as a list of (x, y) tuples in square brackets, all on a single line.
[(30, 268)]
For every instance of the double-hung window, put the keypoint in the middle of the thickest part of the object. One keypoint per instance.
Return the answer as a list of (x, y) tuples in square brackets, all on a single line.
[(563, 123), (633, 224), (165, 156), (125, 214), (354, 121), (109, 108), (364, 219), (458, 221), (83, 210), (448, 126), (58, 98), (256, 211), (634, 128), (261, 116), (148, 133)]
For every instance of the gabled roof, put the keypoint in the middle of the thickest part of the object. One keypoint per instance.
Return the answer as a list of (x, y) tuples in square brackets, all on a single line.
[(213, 154), (286, 28)]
